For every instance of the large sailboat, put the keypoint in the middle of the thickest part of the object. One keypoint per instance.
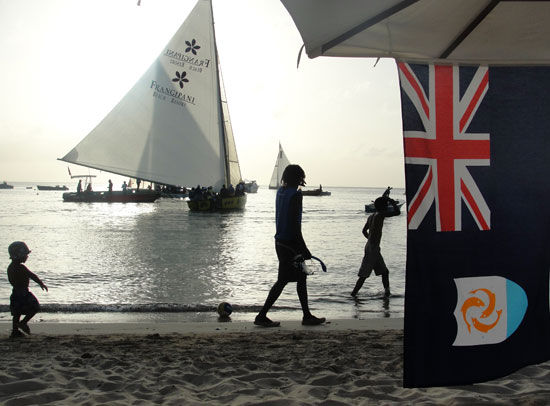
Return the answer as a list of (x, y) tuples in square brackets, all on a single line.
[(173, 126), (280, 164)]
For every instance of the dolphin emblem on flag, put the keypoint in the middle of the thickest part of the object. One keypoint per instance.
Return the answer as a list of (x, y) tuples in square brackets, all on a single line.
[(489, 309)]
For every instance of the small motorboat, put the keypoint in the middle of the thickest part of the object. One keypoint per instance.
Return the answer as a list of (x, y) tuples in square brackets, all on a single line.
[(250, 186), (315, 192), (369, 208)]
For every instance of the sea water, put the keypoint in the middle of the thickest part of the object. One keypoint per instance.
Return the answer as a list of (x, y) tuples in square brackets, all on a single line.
[(121, 262)]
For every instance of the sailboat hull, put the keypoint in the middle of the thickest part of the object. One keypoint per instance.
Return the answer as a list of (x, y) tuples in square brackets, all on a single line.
[(130, 196), (218, 204)]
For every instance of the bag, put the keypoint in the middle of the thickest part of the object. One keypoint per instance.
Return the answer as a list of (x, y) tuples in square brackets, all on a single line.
[(300, 265)]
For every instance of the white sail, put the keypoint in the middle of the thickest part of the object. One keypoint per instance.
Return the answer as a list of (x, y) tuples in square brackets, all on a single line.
[(280, 164), (169, 127), (231, 149)]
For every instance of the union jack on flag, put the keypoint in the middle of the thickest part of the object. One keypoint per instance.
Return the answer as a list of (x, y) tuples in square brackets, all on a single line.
[(445, 146)]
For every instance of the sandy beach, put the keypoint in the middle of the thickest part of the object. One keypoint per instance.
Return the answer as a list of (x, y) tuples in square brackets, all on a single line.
[(345, 362)]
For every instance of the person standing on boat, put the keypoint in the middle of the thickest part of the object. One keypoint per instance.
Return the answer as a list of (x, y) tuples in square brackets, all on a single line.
[(22, 301), (239, 190), (124, 186), (110, 186), (79, 186), (138, 181), (373, 260), (289, 243), (223, 191)]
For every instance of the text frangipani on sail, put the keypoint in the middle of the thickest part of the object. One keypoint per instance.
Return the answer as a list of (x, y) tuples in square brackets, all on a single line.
[(205, 63), (167, 91)]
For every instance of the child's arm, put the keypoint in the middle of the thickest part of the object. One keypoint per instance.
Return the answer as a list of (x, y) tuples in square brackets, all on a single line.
[(38, 281), (366, 229)]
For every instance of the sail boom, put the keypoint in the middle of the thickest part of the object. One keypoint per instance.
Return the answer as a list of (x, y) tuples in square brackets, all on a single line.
[(114, 171)]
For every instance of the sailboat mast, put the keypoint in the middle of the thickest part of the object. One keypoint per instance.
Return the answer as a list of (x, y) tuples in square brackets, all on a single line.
[(220, 101)]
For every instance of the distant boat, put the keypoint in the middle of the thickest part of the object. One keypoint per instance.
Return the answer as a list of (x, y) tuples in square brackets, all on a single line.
[(87, 195), (251, 186), (315, 192), (128, 196), (172, 127), (174, 192), (280, 164), (4, 185), (56, 187), (119, 196)]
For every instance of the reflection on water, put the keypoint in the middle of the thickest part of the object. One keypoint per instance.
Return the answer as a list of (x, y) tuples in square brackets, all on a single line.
[(161, 253), (378, 303)]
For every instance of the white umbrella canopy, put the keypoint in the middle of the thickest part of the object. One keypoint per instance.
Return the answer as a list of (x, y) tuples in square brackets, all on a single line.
[(492, 32)]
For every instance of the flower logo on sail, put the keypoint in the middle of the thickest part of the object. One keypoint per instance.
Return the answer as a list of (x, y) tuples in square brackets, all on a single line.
[(181, 78), (192, 46), (488, 309)]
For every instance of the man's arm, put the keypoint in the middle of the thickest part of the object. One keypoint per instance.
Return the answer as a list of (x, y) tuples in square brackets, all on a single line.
[(395, 212), (295, 213), (366, 227), (366, 230)]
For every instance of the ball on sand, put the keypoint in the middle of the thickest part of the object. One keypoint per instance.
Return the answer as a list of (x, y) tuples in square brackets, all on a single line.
[(225, 309)]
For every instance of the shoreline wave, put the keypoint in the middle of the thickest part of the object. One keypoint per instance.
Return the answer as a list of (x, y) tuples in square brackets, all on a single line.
[(69, 308), (137, 308)]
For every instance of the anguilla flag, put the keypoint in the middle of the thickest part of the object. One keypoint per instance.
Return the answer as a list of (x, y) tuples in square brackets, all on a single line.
[(477, 159)]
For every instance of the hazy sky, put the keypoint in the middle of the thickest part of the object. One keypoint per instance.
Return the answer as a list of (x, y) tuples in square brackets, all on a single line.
[(64, 66)]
